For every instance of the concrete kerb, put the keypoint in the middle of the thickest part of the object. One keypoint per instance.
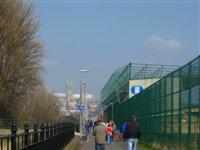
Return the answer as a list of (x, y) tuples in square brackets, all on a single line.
[(75, 142)]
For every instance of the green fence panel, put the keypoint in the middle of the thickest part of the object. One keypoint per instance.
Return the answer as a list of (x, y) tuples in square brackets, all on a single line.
[(168, 111)]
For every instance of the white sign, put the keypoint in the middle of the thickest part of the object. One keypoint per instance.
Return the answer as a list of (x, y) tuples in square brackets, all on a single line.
[(137, 86)]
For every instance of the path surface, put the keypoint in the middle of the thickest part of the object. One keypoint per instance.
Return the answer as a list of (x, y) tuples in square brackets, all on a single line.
[(116, 145)]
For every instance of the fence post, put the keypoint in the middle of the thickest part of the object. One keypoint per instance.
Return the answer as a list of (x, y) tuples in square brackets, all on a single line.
[(42, 132), (47, 131), (54, 125), (14, 134), (59, 127), (26, 129), (51, 129), (35, 133)]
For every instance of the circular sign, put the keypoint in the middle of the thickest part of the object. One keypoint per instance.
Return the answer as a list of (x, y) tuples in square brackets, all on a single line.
[(136, 89)]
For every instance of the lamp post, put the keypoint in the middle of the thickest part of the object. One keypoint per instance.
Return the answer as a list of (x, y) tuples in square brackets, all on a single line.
[(102, 111), (82, 100)]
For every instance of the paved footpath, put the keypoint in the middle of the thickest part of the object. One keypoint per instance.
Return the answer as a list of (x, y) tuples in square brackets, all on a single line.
[(116, 145)]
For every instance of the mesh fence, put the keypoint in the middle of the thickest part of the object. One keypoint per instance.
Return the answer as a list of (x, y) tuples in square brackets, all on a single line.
[(168, 111)]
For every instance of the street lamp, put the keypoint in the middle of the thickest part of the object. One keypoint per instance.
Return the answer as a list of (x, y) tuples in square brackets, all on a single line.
[(102, 111), (112, 110), (82, 100)]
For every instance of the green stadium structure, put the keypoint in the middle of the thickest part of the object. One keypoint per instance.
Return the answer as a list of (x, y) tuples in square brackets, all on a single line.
[(168, 111), (117, 87)]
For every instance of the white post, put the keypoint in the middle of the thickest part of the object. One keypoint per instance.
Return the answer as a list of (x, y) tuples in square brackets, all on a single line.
[(81, 112), (82, 101), (85, 103)]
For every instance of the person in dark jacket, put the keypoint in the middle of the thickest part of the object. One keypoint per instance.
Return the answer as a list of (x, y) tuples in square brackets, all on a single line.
[(100, 133), (132, 133)]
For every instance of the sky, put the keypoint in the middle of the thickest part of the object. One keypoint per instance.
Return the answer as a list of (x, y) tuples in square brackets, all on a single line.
[(103, 35)]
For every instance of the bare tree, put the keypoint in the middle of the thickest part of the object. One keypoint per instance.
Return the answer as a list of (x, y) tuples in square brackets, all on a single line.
[(42, 105), (20, 54)]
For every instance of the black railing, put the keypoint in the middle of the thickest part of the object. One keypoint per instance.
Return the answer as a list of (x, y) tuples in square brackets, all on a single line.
[(46, 137)]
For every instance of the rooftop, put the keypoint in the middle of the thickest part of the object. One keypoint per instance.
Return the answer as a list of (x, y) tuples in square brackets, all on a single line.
[(117, 85)]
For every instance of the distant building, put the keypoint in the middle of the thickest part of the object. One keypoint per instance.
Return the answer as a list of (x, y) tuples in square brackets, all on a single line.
[(70, 106), (68, 102)]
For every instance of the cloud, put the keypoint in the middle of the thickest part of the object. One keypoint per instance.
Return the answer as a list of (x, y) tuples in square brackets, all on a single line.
[(158, 42)]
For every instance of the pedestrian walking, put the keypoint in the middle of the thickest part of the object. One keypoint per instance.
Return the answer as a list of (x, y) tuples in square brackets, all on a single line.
[(132, 133), (122, 130), (110, 133), (114, 128), (100, 132), (113, 124), (89, 127)]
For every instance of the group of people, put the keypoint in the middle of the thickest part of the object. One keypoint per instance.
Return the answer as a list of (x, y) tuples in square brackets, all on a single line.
[(110, 126), (105, 132)]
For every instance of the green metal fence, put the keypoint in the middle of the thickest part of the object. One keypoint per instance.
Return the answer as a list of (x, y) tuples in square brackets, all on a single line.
[(168, 111)]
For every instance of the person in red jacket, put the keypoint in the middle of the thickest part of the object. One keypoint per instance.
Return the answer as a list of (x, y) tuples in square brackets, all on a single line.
[(110, 133)]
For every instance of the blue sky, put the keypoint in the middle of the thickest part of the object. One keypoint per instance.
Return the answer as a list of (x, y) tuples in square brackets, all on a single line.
[(103, 35)]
